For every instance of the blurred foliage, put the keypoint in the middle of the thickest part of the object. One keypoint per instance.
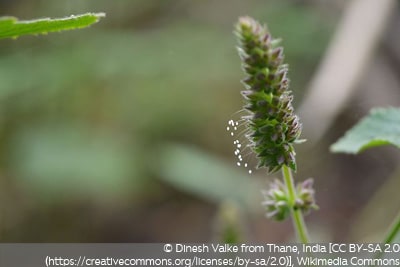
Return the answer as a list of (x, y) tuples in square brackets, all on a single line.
[(63, 159), (229, 224), (205, 176), (87, 115)]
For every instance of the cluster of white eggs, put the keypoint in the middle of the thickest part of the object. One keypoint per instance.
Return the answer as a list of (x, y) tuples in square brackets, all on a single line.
[(233, 127)]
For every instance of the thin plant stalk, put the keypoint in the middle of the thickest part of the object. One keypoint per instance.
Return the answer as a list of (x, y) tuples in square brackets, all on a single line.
[(394, 230), (297, 215)]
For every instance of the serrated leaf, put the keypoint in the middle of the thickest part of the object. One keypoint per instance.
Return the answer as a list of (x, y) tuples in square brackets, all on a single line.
[(11, 27), (380, 127)]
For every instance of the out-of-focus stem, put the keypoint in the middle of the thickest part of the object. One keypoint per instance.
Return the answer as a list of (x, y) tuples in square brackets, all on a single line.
[(394, 230)]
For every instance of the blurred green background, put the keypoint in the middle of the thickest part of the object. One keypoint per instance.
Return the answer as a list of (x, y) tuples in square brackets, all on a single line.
[(117, 133)]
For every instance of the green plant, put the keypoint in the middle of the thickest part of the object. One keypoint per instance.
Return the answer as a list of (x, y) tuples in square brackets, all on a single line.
[(11, 27), (273, 127)]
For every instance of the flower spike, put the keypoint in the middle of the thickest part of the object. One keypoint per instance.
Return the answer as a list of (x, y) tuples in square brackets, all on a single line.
[(273, 126)]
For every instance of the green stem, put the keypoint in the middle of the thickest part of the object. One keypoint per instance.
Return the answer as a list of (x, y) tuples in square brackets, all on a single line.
[(391, 235), (297, 216), (393, 230)]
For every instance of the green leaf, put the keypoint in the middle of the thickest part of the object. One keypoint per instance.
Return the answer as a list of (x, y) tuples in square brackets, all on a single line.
[(11, 27), (380, 127)]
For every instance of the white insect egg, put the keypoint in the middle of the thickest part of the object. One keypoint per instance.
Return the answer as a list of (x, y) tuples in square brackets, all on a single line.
[(242, 146)]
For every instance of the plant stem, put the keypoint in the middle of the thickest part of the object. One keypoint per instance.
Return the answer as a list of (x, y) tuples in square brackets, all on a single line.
[(297, 216), (394, 230)]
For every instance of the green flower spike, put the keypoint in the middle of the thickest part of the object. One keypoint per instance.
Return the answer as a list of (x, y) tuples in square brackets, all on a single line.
[(273, 126)]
